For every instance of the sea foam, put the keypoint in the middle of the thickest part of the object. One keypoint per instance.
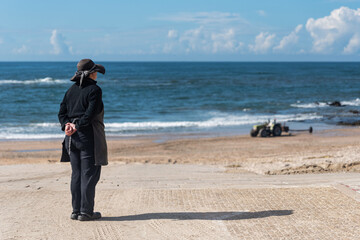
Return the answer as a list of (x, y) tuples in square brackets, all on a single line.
[(47, 80), (229, 120), (29, 136), (52, 130), (310, 105), (355, 102)]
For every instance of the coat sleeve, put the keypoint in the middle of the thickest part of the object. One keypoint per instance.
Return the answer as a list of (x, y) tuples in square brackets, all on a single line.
[(63, 117), (94, 108)]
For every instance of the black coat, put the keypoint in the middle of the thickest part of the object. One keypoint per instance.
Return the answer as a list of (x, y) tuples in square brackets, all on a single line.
[(84, 107), (83, 102)]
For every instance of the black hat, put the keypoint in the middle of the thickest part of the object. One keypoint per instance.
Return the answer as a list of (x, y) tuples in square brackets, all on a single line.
[(86, 67)]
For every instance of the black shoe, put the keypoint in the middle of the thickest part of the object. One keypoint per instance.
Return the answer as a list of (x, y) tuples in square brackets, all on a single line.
[(89, 217), (74, 215)]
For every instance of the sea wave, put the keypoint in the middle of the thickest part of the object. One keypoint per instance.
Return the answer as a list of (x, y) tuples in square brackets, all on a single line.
[(28, 136), (46, 124), (48, 130), (47, 80), (210, 123), (355, 102), (310, 105)]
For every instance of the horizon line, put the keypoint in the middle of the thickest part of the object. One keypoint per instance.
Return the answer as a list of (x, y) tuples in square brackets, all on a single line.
[(180, 61)]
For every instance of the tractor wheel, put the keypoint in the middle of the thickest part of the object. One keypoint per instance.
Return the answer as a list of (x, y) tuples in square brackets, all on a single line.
[(277, 131), (264, 132), (254, 133)]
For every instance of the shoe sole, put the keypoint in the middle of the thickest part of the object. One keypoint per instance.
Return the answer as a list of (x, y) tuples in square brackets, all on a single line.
[(87, 219)]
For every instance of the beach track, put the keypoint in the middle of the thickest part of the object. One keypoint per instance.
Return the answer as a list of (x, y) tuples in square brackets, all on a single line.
[(175, 201)]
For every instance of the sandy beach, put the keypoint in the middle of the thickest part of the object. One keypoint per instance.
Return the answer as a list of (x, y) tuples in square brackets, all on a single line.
[(324, 151), (292, 187)]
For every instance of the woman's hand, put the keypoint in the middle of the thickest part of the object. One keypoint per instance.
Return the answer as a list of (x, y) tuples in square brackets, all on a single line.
[(70, 129)]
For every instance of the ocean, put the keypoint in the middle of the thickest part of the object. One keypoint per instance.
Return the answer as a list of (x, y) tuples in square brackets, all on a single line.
[(176, 98)]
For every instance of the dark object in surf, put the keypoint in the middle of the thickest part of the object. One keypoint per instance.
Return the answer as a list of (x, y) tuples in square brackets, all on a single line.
[(354, 111), (336, 104), (269, 128), (354, 123)]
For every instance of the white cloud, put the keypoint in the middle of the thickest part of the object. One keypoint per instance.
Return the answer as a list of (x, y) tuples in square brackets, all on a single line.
[(261, 13), (340, 28), (353, 45), (1, 41), (202, 40), (263, 42), (57, 40), (290, 39), (172, 33), (193, 39), (225, 41), (204, 17), (169, 46), (22, 50)]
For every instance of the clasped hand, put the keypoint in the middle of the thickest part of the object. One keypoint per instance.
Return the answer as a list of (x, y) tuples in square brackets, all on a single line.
[(70, 129)]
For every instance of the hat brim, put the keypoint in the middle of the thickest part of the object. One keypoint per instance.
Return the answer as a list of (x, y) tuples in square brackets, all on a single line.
[(99, 68), (74, 77)]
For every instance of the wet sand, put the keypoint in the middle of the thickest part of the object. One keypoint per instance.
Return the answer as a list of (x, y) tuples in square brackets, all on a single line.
[(325, 151)]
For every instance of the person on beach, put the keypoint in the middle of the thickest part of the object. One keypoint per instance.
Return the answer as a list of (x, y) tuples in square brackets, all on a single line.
[(81, 116)]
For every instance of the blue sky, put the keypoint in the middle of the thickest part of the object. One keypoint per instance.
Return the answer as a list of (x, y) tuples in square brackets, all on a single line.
[(197, 30)]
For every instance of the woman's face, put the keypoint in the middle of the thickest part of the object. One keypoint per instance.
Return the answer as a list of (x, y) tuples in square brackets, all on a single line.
[(93, 75)]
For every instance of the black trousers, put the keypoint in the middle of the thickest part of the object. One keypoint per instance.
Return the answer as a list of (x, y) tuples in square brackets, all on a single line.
[(85, 175)]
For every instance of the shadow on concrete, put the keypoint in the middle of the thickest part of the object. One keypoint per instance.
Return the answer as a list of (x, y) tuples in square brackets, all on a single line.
[(200, 215)]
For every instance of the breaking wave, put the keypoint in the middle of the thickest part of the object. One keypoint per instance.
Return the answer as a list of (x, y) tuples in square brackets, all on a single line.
[(355, 102), (310, 105), (47, 80), (29, 136), (210, 123), (52, 130)]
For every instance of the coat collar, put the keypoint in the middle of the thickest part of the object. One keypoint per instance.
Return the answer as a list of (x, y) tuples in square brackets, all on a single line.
[(86, 81)]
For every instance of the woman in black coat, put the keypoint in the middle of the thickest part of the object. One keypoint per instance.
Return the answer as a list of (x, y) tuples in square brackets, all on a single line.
[(81, 116)]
